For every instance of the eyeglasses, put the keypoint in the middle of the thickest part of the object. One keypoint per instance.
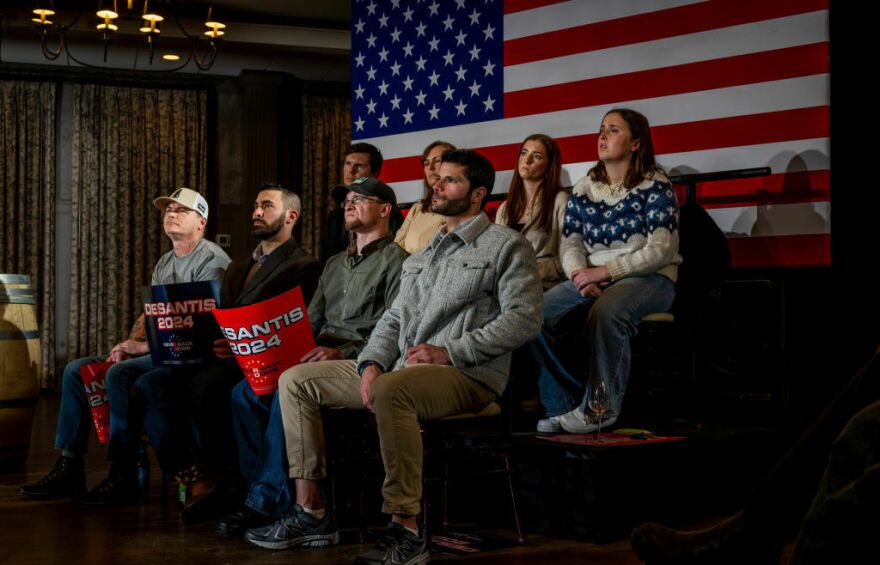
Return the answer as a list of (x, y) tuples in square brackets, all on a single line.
[(357, 200)]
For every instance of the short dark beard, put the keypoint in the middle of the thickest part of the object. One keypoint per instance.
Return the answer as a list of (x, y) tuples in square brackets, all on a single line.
[(270, 230), (453, 207)]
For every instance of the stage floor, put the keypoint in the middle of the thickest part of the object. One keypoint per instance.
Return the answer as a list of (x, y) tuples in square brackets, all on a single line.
[(57, 531)]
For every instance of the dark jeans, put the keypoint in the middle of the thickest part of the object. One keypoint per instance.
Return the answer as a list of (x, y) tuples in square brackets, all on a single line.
[(208, 407), (169, 400), (259, 432), (609, 322), (156, 403), (75, 417)]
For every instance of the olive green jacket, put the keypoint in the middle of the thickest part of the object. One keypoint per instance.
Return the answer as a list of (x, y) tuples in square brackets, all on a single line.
[(353, 293)]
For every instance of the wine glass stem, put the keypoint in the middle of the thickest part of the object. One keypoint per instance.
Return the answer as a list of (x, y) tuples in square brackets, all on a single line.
[(599, 428)]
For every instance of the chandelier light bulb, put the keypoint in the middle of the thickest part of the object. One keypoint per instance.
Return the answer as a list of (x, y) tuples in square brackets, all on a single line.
[(43, 13), (108, 13), (151, 16)]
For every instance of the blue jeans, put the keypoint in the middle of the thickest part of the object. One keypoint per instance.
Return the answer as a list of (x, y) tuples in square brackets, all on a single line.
[(208, 407), (75, 416), (159, 407), (611, 320), (262, 453), (166, 398)]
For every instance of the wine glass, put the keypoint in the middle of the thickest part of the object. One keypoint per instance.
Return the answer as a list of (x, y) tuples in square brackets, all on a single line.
[(598, 402)]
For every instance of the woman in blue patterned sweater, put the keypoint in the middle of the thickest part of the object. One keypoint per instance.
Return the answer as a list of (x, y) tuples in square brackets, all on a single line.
[(619, 251)]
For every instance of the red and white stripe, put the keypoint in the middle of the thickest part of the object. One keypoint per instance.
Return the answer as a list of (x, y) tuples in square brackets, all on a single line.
[(726, 84)]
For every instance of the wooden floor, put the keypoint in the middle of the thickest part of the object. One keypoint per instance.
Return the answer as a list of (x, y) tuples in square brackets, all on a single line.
[(59, 531)]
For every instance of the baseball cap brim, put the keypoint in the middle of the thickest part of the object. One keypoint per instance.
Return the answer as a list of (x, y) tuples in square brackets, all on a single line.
[(164, 201), (186, 197), (370, 190)]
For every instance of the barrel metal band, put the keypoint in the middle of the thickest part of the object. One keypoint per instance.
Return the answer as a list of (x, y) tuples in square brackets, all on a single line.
[(17, 291), (19, 334), (9, 296)]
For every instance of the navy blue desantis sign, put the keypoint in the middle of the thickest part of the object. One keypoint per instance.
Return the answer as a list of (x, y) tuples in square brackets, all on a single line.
[(180, 326)]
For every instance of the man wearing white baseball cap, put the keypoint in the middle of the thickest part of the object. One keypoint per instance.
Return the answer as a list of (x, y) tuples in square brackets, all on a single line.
[(186, 197), (192, 259)]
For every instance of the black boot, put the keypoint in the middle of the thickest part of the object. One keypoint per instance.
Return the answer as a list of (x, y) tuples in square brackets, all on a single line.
[(726, 542), (212, 499), (67, 478), (119, 488), (240, 521)]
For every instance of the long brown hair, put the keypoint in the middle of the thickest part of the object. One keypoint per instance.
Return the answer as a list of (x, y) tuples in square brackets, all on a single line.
[(550, 185), (642, 163), (429, 190)]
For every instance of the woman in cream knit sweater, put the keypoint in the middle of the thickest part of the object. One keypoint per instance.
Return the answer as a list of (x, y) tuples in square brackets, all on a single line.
[(619, 251)]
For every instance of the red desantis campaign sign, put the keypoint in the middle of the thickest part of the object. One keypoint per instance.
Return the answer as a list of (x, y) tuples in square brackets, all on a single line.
[(267, 337), (180, 327), (94, 377)]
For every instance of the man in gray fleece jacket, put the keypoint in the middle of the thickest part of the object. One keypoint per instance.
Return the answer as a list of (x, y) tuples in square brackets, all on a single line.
[(465, 303)]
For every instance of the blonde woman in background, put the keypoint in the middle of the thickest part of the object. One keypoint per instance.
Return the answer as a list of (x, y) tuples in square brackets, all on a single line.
[(421, 224)]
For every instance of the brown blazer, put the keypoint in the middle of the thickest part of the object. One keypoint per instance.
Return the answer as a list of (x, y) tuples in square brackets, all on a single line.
[(287, 267)]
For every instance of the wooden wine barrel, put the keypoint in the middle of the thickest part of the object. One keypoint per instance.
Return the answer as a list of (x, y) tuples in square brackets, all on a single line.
[(19, 366)]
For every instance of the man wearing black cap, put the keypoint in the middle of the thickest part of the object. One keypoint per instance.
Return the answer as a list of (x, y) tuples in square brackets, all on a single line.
[(361, 160), (356, 287)]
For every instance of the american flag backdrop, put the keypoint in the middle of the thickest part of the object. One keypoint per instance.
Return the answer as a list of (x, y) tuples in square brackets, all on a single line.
[(726, 84)]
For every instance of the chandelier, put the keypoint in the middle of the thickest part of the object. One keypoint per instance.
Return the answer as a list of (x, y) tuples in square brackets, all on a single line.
[(53, 36)]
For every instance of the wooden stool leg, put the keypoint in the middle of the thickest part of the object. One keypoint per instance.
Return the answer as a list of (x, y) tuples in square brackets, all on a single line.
[(519, 533)]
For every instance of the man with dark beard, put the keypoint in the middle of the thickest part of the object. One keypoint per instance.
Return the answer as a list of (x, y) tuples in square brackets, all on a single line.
[(356, 287), (276, 265), (442, 348)]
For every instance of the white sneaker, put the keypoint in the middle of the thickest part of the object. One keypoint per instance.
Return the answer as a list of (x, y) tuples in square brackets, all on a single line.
[(576, 422), (549, 425)]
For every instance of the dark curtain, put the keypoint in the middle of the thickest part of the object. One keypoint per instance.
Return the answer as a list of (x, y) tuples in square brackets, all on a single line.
[(27, 199), (326, 136), (130, 145)]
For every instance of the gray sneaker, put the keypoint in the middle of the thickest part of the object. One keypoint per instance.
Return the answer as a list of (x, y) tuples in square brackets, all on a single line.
[(549, 425), (577, 422), (293, 529), (398, 546)]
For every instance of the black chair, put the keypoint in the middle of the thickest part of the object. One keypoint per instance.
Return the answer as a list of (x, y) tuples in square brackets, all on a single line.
[(486, 433), (668, 349), (354, 452)]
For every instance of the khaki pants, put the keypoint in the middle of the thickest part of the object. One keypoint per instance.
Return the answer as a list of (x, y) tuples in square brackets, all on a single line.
[(400, 399)]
